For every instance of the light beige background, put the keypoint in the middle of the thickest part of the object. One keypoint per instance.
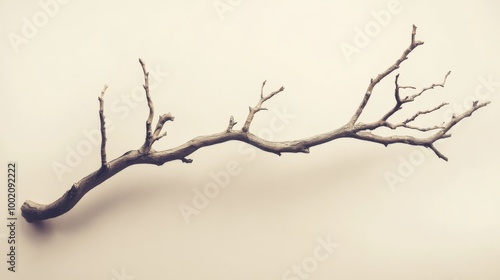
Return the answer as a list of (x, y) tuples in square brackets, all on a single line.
[(442, 222)]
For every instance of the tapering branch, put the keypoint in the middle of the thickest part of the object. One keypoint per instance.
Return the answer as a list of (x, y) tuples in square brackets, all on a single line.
[(437, 152), (399, 103), (33, 212), (411, 98), (253, 110), (364, 132), (149, 134), (104, 162), (419, 113)]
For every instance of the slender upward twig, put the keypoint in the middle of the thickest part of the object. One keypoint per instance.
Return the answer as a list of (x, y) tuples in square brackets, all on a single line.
[(253, 110), (151, 136), (33, 212), (104, 162), (231, 124)]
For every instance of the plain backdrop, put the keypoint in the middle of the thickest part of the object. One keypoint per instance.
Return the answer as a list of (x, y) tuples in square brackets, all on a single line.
[(440, 220)]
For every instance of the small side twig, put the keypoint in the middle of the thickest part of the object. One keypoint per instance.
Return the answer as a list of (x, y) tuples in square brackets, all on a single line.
[(161, 121), (253, 110), (231, 124), (400, 101), (411, 98), (151, 136), (419, 113)]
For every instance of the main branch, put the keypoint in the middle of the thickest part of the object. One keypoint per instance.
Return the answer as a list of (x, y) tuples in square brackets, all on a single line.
[(34, 212)]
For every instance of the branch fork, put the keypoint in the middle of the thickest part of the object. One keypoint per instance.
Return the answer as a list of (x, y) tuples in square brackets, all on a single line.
[(151, 136), (253, 110)]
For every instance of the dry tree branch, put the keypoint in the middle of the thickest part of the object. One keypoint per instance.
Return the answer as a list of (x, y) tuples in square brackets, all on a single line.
[(34, 212)]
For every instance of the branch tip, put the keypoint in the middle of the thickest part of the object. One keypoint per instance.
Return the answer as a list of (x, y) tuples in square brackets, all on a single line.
[(438, 153)]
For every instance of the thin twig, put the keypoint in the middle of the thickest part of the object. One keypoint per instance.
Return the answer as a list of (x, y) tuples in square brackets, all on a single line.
[(104, 162), (411, 98), (419, 113), (149, 134), (374, 82), (253, 110), (231, 124)]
